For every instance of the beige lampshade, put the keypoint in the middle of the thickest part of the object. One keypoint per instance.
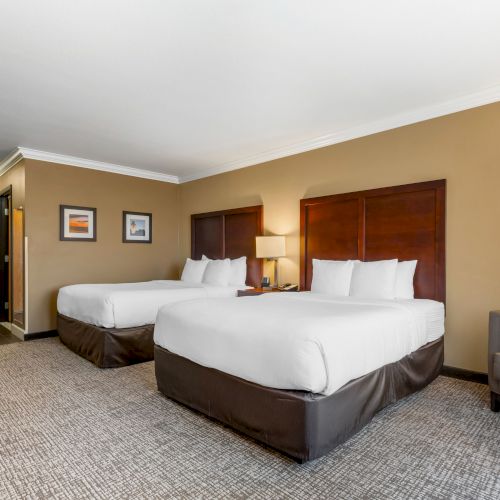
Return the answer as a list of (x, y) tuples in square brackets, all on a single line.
[(270, 247)]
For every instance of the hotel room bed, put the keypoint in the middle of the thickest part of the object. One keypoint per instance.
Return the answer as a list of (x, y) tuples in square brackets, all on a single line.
[(311, 372), (298, 341), (127, 305), (112, 324), (304, 372)]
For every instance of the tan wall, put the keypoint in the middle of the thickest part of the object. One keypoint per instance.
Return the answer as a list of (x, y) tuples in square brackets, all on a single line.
[(464, 148), (53, 263)]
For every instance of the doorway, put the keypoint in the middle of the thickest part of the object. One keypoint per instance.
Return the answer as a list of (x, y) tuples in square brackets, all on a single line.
[(11, 268)]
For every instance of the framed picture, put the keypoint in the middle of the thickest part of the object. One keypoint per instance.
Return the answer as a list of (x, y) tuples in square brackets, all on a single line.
[(77, 223), (137, 227)]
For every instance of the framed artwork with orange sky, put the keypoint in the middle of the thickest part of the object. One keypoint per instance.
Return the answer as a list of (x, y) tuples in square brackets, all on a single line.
[(77, 223)]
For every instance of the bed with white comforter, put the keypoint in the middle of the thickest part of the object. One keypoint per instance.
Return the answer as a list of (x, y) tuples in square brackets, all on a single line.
[(125, 305), (299, 341)]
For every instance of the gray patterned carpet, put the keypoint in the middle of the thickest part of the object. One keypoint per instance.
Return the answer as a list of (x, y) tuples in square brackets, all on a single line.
[(70, 430)]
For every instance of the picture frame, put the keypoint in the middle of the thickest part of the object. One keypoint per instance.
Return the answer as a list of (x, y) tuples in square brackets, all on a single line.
[(137, 227), (77, 223)]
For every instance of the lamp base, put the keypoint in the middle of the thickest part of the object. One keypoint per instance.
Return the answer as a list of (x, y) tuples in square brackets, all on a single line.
[(276, 273)]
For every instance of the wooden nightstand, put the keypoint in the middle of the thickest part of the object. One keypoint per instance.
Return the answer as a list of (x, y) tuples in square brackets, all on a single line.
[(258, 291)]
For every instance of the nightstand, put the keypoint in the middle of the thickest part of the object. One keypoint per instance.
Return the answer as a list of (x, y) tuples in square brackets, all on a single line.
[(257, 291)]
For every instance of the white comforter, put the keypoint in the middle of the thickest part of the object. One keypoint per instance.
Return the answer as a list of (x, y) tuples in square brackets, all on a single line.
[(123, 305), (300, 341)]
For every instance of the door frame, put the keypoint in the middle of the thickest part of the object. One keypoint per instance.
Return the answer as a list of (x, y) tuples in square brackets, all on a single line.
[(5, 193), (21, 325), (12, 319)]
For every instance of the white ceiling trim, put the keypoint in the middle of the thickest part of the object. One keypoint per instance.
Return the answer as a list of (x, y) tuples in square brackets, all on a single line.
[(486, 96), (34, 154), (10, 161)]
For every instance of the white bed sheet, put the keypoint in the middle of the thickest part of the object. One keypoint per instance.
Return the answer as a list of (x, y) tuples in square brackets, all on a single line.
[(124, 305), (300, 341)]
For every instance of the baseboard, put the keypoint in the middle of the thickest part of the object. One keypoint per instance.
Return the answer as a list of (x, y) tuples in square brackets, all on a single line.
[(40, 335), (469, 375)]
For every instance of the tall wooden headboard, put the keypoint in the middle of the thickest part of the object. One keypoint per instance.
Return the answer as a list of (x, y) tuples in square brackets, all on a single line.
[(401, 222), (229, 234)]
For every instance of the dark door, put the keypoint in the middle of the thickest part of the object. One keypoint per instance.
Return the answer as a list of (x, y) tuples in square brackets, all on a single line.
[(4, 258)]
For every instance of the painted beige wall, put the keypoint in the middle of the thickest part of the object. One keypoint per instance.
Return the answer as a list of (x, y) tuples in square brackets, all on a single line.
[(463, 148), (53, 263)]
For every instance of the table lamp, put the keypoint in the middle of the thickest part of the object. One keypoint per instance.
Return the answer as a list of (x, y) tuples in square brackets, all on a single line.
[(271, 248)]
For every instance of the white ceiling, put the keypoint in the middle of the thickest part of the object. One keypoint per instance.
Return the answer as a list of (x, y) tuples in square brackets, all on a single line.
[(193, 87)]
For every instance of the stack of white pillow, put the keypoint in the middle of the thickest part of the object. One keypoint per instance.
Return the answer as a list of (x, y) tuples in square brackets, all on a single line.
[(223, 272), (381, 279)]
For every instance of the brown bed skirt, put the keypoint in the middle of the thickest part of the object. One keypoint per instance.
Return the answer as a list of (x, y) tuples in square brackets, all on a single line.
[(300, 424), (107, 347)]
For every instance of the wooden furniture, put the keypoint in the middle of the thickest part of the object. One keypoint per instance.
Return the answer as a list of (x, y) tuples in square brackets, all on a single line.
[(402, 222), (494, 360), (257, 291), (229, 234)]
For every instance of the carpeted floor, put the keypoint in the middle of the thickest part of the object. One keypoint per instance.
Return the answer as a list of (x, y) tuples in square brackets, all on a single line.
[(70, 430), (6, 337)]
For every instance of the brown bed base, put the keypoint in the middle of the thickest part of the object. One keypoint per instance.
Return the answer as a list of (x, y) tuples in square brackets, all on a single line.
[(107, 347), (299, 424)]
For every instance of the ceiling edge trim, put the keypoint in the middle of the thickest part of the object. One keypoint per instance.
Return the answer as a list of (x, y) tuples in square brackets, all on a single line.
[(34, 154), (481, 98), (10, 161)]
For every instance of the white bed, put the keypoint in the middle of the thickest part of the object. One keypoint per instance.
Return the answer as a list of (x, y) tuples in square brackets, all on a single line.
[(124, 305), (299, 341)]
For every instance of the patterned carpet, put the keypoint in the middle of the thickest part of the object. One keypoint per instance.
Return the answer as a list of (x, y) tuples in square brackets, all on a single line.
[(70, 430)]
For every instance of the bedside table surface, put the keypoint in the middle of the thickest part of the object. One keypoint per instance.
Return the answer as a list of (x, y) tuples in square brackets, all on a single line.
[(259, 291), (262, 290)]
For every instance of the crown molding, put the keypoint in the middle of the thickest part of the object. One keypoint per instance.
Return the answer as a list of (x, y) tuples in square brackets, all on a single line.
[(481, 98), (33, 154), (10, 161)]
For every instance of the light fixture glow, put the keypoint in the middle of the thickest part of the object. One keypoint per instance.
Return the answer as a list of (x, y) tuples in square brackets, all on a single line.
[(270, 247)]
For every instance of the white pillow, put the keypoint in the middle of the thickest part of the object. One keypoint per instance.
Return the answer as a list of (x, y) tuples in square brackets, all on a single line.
[(374, 280), (217, 272), (238, 270), (238, 275), (332, 277), (193, 270), (404, 279)]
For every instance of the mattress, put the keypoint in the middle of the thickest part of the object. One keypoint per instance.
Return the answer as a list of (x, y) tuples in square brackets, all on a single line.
[(126, 305), (298, 341)]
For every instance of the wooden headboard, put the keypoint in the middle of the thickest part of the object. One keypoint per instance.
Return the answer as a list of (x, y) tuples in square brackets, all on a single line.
[(229, 234), (401, 222)]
